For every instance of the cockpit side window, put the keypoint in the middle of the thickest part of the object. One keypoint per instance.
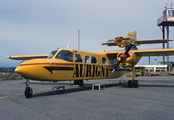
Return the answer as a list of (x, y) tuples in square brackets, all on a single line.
[(52, 54), (78, 58), (93, 60), (65, 55)]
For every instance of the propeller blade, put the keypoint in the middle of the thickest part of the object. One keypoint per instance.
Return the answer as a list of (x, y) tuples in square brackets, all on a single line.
[(128, 38), (116, 66), (129, 47)]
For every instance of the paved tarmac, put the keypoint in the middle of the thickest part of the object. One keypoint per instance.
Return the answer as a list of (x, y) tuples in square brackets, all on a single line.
[(153, 100)]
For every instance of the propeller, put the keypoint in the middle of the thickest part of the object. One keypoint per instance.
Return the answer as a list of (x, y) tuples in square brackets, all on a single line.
[(123, 56), (119, 39)]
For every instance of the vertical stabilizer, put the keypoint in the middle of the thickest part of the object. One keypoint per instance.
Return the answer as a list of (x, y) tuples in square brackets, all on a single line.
[(133, 34)]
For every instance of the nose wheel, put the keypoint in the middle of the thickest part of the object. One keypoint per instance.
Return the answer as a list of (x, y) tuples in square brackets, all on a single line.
[(28, 89)]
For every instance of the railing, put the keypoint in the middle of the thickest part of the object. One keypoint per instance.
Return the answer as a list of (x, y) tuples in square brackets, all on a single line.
[(160, 20)]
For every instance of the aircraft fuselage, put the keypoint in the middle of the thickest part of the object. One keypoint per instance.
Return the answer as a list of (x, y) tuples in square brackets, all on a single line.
[(69, 64)]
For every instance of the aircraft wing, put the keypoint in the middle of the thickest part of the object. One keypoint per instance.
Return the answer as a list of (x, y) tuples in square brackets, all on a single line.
[(152, 41), (154, 52), (151, 52), (27, 57)]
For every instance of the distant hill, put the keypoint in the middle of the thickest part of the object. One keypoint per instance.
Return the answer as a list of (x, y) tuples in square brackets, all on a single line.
[(8, 73), (7, 69)]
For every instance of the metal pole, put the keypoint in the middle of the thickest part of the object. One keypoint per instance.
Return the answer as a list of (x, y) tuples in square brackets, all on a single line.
[(168, 46), (167, 41), (78, 39), (163, 43)]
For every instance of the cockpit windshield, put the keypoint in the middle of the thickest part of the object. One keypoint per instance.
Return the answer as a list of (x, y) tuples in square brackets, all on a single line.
[(52, 54), (65, 55)]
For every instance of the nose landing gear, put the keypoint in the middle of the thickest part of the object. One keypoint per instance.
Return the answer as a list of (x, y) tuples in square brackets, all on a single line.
[(28, 89)]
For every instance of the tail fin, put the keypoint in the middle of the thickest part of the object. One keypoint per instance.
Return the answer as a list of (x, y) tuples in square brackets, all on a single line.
[(133, 34)]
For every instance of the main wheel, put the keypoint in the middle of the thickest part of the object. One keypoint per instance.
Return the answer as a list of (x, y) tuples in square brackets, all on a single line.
[(135, 83), (78, 82), (130, 83), (28, 92)]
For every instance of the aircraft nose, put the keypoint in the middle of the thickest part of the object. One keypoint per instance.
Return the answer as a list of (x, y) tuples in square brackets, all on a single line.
[(18, 70), (26, 70), (21, 70)]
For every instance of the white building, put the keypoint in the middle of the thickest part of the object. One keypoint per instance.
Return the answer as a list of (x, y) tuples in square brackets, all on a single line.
[(154, 68)]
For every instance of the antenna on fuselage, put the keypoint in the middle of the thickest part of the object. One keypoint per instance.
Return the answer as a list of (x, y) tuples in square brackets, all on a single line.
[(57, 47), (68, 44)]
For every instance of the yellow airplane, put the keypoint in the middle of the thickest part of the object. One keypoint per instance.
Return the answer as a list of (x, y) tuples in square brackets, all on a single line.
[(70, 64)]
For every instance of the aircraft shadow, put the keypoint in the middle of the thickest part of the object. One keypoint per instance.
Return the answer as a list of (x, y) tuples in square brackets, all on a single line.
[(156, 85), (47, 83), (66, 91), (88, 87), (70, 90), (126, 86)]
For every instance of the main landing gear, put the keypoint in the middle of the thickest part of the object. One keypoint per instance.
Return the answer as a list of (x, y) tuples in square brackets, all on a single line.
[(28, 89), (78, 82), (133, 82)]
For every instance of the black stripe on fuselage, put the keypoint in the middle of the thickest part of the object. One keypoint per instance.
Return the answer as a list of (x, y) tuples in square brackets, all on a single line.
[(50, 69), (121, 70)]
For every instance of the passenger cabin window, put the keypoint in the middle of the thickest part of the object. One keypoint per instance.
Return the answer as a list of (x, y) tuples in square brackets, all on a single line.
[(93, 60), (104, 61), (52, 54), (65, 55), (87, 59), (78, 58), (113, 61)]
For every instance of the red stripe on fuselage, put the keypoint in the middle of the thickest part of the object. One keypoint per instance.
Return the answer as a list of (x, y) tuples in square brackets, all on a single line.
[(47, 64)]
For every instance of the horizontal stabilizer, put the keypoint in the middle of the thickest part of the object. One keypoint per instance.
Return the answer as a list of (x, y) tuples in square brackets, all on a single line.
[(152, 41), (110, 43)]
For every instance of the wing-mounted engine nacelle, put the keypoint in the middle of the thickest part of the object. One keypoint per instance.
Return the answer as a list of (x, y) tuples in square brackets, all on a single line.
[(123, 41), (129, 59)]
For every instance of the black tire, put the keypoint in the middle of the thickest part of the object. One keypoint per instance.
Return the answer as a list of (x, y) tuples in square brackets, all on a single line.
[(130, 83), (135, 83), (78, 82), (28, 92)]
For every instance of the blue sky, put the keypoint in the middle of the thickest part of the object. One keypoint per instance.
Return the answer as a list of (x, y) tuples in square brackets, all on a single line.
[(37, 26)]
